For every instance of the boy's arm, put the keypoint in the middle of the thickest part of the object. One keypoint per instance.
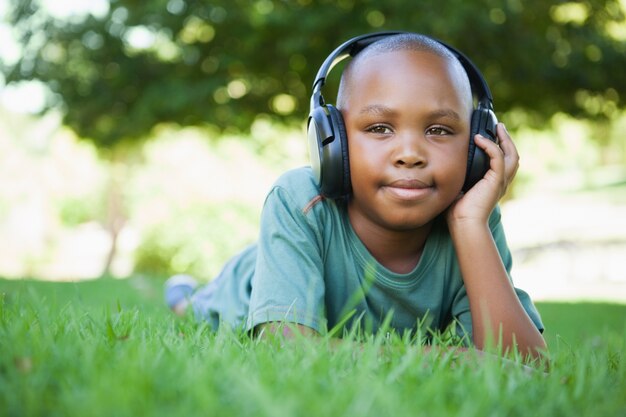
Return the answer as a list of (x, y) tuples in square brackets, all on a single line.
[(287, 285), (495, 308)]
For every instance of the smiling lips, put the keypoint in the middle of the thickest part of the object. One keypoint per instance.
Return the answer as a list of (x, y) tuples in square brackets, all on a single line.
[(408, 189)]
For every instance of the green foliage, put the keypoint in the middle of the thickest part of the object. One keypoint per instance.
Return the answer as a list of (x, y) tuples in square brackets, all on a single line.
[(74, 211), (106, 348), (225, 63), (197, 241)]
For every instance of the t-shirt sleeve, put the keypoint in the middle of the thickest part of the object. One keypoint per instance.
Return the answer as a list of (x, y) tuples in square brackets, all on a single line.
[(288, 283), (461, 309)]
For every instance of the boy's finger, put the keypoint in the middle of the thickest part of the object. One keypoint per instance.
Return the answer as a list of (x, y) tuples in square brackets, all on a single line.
[(487, 145), (505, 140), (502, 132), (493, 151), (511, 156)]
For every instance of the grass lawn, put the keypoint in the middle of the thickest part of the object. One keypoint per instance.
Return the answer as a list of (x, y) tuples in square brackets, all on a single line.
[(111, 348)]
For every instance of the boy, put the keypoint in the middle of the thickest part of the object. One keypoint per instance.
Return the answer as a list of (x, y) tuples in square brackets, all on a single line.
[(406, 242)]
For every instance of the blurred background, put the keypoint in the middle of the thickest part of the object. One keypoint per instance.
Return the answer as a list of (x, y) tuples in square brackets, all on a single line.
[(140, 138)]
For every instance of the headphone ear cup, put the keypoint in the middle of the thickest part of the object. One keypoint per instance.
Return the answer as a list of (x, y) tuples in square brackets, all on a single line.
[(484, 123), (340, 159), (317, 129)]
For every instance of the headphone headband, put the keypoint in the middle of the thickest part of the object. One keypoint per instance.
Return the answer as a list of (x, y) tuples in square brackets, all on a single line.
[(347, 49), (355, 45)]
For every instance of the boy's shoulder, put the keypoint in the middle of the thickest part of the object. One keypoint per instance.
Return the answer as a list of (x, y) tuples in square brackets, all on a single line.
[(299, 184), (297, 191)]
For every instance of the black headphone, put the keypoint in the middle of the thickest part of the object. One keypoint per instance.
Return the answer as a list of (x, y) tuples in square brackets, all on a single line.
[(328, 142)]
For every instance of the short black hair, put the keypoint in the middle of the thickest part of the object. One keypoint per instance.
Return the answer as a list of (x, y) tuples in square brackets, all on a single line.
[(400, 42)]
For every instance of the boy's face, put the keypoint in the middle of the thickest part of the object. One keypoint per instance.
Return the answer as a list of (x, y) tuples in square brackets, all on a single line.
[(407, 116)]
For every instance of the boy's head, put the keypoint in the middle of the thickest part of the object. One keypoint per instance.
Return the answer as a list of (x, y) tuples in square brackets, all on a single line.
[(396, 74), (406, 104), (402, 42)]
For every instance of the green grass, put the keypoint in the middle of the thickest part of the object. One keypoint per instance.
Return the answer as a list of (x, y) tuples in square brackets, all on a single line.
[(110, 348)]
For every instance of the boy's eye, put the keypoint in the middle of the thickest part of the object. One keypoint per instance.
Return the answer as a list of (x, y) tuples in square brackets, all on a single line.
[(379, 129), (438, 131)]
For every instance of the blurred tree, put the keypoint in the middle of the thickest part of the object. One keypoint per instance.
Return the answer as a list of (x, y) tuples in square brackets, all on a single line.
[(225, 62), (222, 64)]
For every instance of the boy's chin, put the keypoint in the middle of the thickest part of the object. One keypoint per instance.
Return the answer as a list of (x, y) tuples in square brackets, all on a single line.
[(410, 225)]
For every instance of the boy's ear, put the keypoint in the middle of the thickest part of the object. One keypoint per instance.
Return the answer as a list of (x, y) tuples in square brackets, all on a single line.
[(483, 123)]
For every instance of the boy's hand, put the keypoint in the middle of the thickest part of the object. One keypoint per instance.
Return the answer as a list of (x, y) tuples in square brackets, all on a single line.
[(477, 203)]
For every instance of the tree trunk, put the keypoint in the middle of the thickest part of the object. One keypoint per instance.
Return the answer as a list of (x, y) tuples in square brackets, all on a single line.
[(116, 215)]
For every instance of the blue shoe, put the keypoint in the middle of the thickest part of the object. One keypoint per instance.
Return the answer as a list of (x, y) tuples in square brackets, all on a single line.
[(178, 290)]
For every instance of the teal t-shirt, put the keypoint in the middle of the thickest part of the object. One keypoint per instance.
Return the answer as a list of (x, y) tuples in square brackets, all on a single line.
[(310, 268)]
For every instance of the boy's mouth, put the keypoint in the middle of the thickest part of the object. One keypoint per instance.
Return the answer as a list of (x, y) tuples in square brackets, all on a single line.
[(409, 184), (408, 189)]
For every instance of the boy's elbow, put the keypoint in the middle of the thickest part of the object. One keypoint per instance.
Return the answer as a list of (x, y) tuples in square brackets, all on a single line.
[(283, 329), (539, 351)]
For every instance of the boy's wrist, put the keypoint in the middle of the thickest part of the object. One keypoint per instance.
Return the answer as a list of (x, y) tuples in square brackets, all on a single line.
[(471, 210), (467, 226)]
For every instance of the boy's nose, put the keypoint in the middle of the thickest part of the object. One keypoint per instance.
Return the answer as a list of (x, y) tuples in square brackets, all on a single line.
[(410, 151)]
